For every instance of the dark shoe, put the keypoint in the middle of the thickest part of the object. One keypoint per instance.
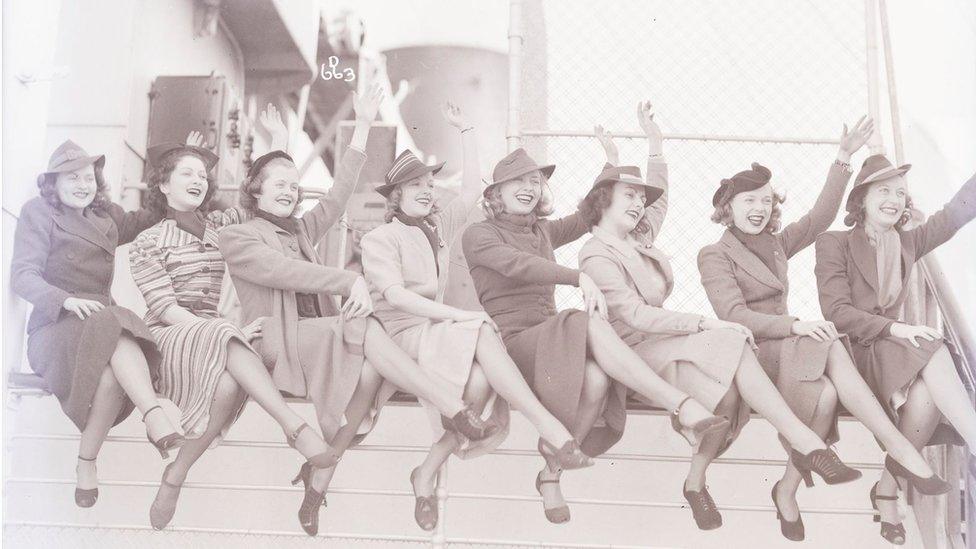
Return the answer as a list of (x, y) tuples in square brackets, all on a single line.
[(324, 460), (308, 513), (169, 442), (425, 508), (86, 497), (703, 508), (570, 456), (694, 433), (555, 515), (931, 486), (164, 506), (793, 531), (893, 533), (825, 463), (467, 423)]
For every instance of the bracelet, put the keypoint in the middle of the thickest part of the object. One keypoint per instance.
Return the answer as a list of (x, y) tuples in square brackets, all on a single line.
[(468, 128), (846, 166), (701, 324)]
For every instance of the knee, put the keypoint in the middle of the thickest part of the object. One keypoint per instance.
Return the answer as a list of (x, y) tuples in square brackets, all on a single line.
[(828, 397), (228, 389), (369, 376), (237, 351), (596, 383)]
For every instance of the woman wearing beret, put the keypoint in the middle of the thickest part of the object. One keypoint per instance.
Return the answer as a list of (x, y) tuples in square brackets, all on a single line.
[(406, 262), (97, 358), (745, 277), (862, 277), (208, 365), (338, 359)]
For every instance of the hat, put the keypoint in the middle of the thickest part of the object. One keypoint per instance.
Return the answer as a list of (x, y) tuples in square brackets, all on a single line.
[(875, 168), (264, 160), (155, 153), (406, 167), (516, 164), (68, 157), (631, 175), (744, 181)]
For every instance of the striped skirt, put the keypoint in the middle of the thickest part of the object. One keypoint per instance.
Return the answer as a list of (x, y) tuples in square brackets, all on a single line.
[(194, 355)]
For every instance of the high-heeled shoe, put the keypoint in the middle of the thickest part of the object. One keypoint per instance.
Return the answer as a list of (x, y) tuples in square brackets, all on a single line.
[(468, 423), (86, 497), (425, 507), (825, 463), (703, 508), (931, 486), (164, 505), (322, 460), (893, 533), (169, 442), (694, 433), (555, 515), (570, 456), (791, 530), (308, 513)]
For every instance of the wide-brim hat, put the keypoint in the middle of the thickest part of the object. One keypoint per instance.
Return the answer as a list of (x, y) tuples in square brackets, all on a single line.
[(876, 168), (69, 157), (405, 168), (747, 180), (156, 153), (516, 164), (632, 176)]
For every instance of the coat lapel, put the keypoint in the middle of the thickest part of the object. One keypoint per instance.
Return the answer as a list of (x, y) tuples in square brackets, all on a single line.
[(85, 228), (631, 257), (663, 263), (750, 263), (866, 257)]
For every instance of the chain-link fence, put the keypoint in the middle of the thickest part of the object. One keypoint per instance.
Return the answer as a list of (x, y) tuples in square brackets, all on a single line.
[(732, 83)]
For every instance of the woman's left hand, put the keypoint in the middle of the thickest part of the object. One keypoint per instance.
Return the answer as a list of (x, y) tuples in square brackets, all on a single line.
[(272, 122), (194, 139), (645, 117), (253, 330), (606, 141), (855, 138)]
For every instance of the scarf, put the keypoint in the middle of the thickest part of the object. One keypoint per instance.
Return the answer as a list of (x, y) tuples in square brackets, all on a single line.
[(430, 231), (887, 245), (289, 224), (192, 222), (762, 245)]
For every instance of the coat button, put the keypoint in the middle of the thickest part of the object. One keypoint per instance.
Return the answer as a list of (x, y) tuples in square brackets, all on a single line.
[(206, 291), (294, 246), (202, 247), (109, 259), (775, 252)]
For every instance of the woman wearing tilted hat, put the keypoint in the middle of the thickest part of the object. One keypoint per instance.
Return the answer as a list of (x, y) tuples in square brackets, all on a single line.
[(862, 277), (336, 358), (97, 358), (745, 278), (711, 360), (406, 262)]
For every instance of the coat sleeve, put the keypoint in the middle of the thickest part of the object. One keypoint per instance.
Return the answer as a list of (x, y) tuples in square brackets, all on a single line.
[(452, 219), (32, 245), (130, 224), (327, 212), (945, 223), (150, 275), (834, 289), (627, 305), (250, 258), (804, 231), (718, 278), (657, 173), (382, 265), (483, 248), (567, 229)]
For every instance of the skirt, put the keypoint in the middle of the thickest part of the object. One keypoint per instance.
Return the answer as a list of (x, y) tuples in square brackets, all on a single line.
[(702, 364), (445, 350), (194, 357), (552, 357), (71, 354)]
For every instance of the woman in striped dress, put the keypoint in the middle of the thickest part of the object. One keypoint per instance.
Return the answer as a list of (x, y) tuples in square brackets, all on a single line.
[(208, 364)]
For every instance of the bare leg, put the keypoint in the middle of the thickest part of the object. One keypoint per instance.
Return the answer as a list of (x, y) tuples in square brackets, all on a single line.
[(711, 444), (950, 396), (132, 374), (105, 407)]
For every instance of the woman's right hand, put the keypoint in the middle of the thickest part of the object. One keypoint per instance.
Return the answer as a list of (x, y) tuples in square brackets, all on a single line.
[(855, 138), (368, 104), (253, 330), (716, 324), (821, 330), (606, 141), (593, 297), (84, 308), (464, 315), (359, 303), (911, 333), (645, 117)]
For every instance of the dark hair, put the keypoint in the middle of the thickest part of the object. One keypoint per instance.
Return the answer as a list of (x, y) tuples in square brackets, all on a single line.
[(723, 213), (393, 205), (596, 202), (47, 184), (856, 212), (160, 173), (252, 187)]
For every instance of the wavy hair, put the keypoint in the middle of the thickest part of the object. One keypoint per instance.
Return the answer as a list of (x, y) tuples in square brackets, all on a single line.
[(723, 213), (159, 174), (252, 187), (47, 185), (856, 212), (597, 201), (393, 206), (493, 205)]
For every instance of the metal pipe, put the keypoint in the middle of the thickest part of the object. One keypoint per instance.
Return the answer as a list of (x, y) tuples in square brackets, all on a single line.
[(690, 137), (516, 41), (875, 143), (892, 91)]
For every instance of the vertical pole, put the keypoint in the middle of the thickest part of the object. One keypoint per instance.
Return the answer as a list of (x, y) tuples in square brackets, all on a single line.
[(300, 112), (892, 91), (513, 134), (875, 143), (439, 538)]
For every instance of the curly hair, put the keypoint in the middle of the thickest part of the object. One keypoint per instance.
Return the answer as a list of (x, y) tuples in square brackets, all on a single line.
[(856, 212), (159, 174), (597, 201), (252, 187), (47, 185), (393, 205), (723, 213), (493, 205)]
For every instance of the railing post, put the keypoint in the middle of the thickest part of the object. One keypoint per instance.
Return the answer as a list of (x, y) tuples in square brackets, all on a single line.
[(439, 538), (513, 136)]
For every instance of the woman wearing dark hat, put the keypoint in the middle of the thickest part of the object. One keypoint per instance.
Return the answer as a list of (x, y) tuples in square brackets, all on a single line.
[(862, 276), (745, 277), (208, 365), (97, 358), (337, 358), (405, 262)]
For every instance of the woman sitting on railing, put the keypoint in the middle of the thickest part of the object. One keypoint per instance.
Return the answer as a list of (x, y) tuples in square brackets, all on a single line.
[(863, 275), (406, 262), (313, 349), (97, 358), (745, 277)]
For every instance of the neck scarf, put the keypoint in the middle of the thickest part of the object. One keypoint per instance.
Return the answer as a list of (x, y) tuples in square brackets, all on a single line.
[(289, 224), (887, 246), (430, 231), (762, 245), (191, 222)]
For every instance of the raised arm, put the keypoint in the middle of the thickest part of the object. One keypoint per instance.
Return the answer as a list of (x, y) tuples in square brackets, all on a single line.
[(456, 214), (834, 289), (657, 168), (483, 248), (32, 245), (943, 224)]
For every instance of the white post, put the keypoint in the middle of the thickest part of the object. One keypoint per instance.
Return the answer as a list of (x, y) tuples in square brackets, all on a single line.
[(438, 540), (892, 92), (513, 136), (876, 143)]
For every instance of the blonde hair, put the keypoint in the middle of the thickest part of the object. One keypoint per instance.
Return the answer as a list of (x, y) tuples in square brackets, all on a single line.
[(723, 213), (393, 205), (493, 205)]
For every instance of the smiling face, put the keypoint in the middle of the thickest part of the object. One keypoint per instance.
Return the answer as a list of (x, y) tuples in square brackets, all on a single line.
[(752, 210), (626, 207), (885, 202), (77, 189), (520, 196), (279, 188), (417, 196), (186, 188)]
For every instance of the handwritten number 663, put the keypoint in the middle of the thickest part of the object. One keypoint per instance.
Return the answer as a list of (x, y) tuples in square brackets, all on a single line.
[(346, 75)]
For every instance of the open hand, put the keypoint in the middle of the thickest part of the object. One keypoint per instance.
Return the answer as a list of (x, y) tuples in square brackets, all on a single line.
[(912, 333), (271, 120), (194, 139), (606, 141), (645, 117), (855, 138), (820, 330), (368, 104), (83, 308)]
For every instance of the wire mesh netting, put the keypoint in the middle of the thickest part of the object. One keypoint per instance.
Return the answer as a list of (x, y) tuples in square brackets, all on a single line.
[(732, 83)]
